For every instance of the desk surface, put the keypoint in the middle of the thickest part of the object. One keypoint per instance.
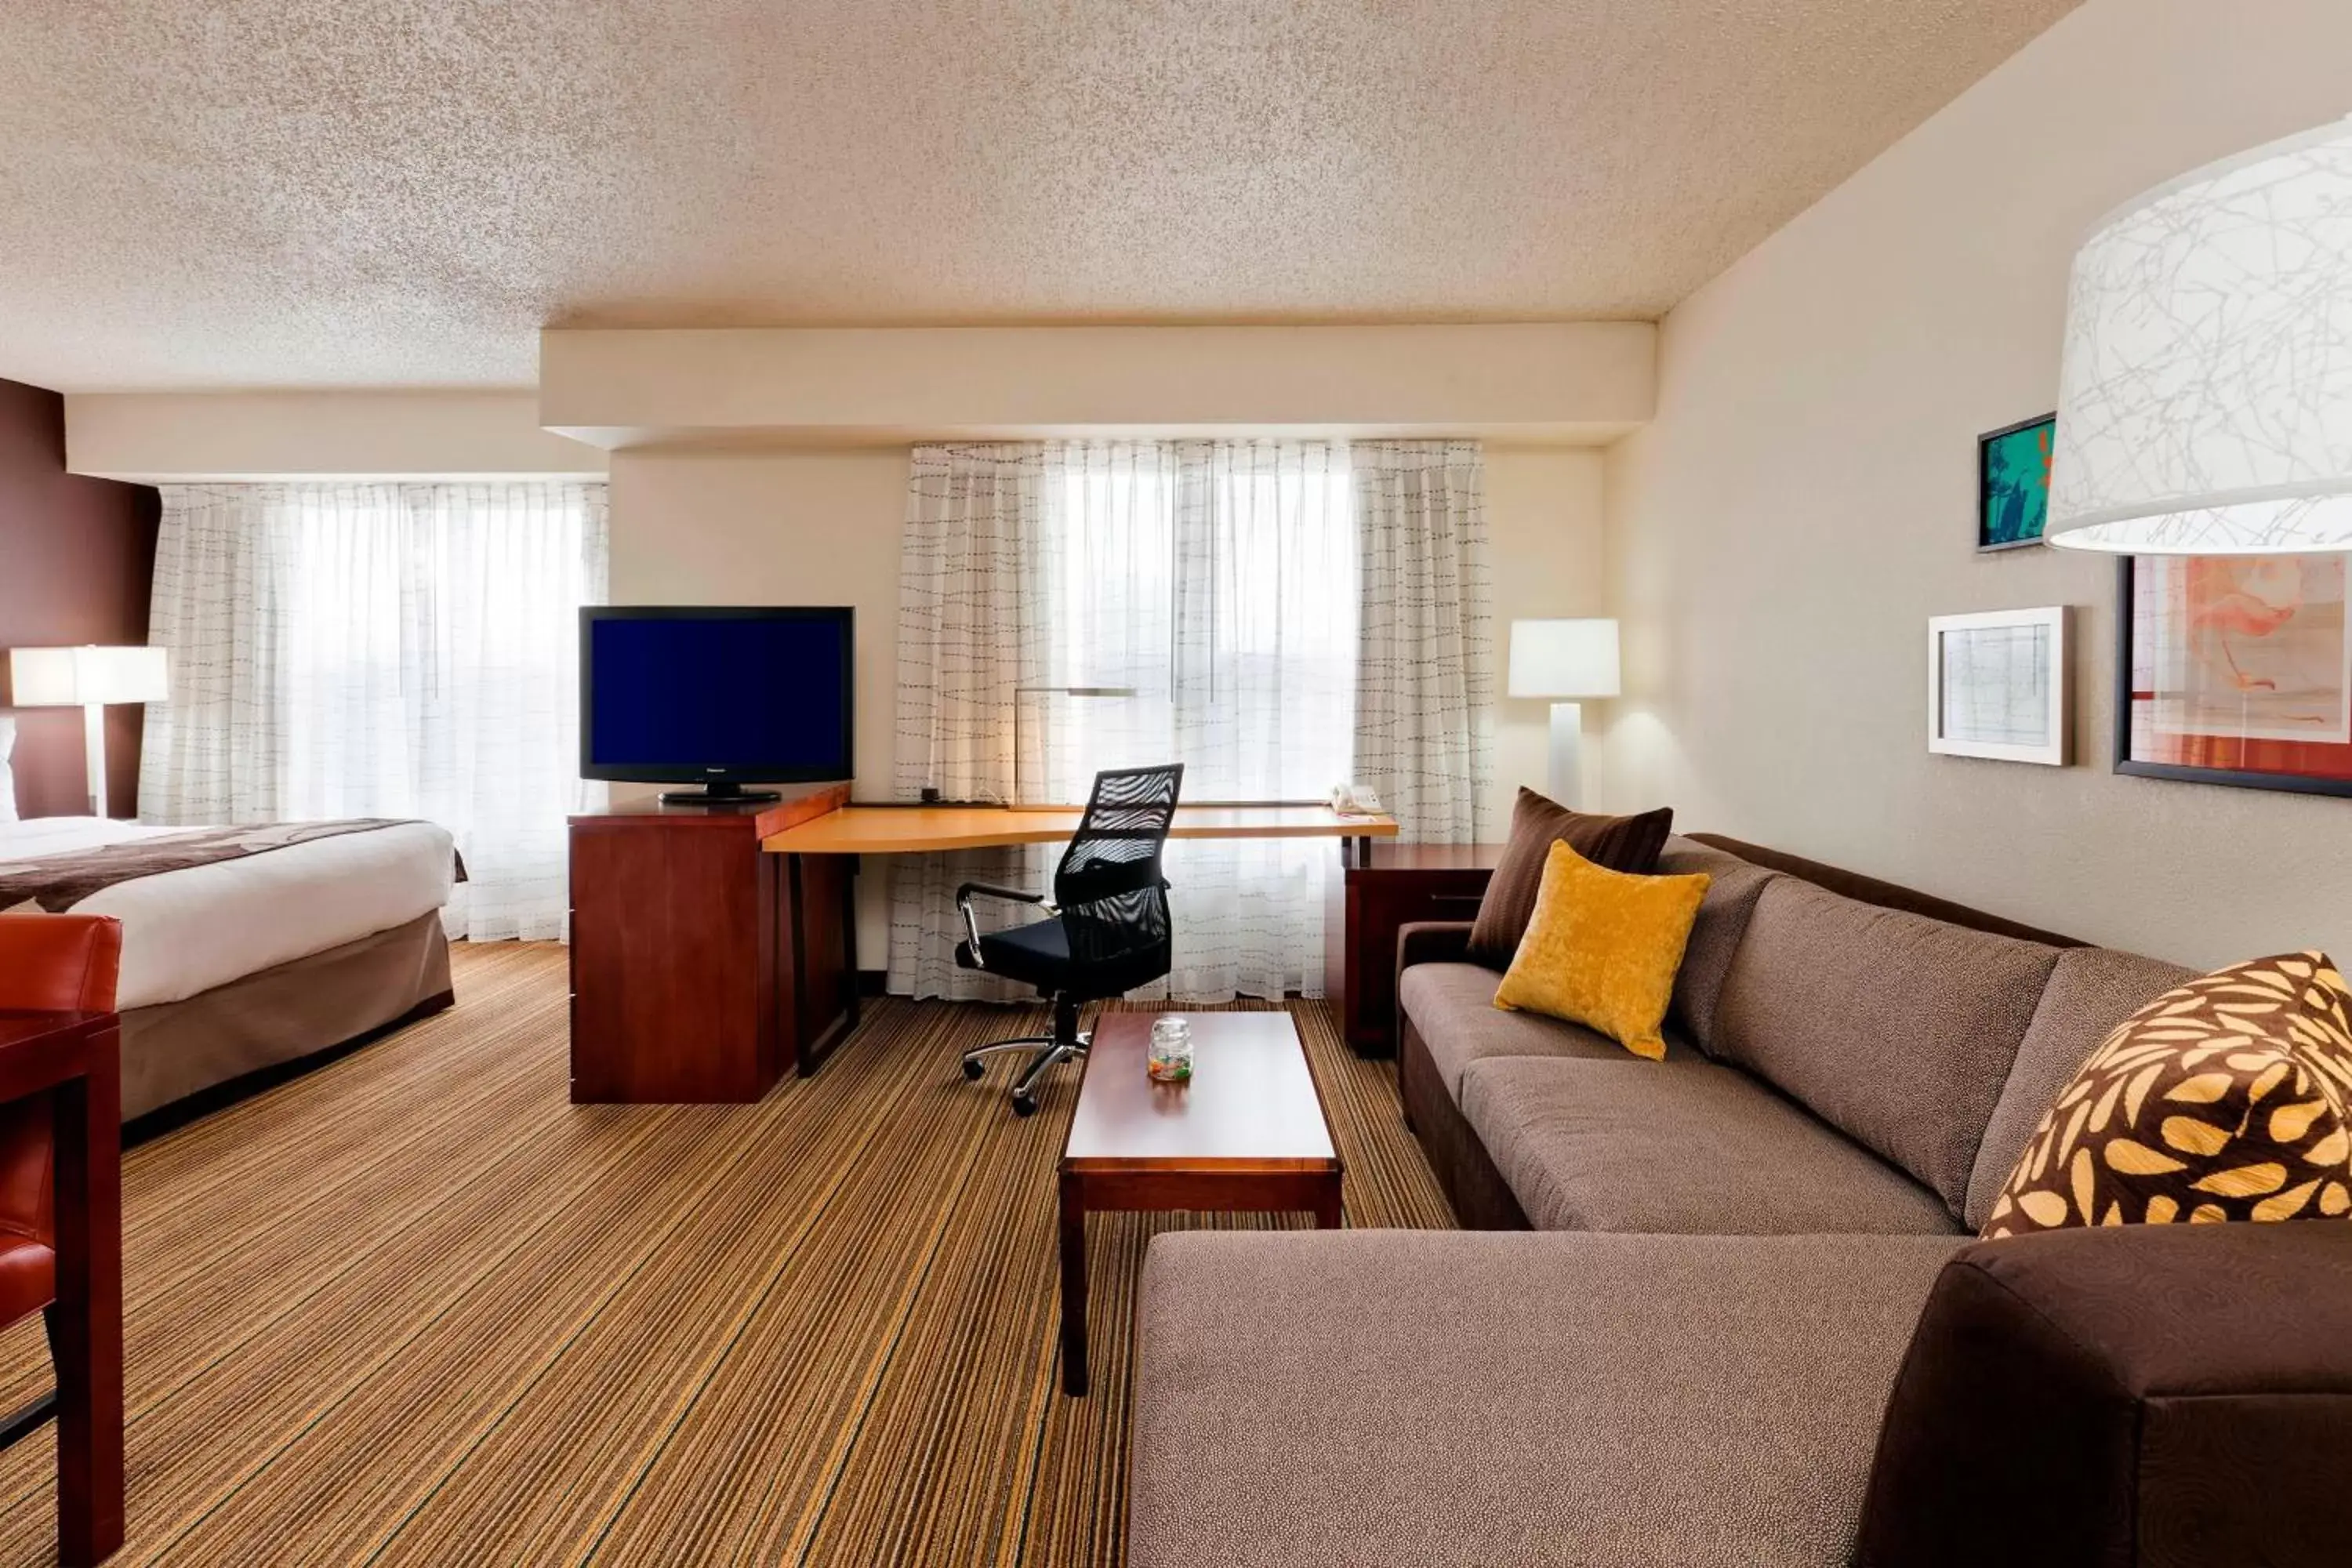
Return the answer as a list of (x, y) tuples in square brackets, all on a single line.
[(910, 829)]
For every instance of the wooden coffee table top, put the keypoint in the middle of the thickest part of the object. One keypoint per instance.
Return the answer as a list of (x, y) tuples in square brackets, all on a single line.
[(1252, 1104)]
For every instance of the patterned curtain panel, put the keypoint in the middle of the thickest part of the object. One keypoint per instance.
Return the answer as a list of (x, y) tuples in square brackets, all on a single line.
[(970, 632), (383, 650), (1424, 712), (1117, 604)]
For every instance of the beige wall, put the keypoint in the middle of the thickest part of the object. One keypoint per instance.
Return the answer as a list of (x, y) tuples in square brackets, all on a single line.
[(1544, 511), (1555, 381), (167, 438), (822, 527), (1803, 502)]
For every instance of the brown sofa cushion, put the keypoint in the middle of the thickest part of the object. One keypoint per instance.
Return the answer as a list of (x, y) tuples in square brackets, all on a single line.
[(2149, 1394), (2091, 990), (1452, 1006), (1629, 844), (1887, 895), (1896, 1029), (2224, 1099), (1688, 1150), (1447, 1399), (1715, 936)]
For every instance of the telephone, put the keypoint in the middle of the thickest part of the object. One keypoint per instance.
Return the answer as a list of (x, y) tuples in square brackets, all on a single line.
[(1355, 800)]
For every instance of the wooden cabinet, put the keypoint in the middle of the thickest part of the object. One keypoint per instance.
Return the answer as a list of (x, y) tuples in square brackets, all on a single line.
[(703, 967), (1390, 886)]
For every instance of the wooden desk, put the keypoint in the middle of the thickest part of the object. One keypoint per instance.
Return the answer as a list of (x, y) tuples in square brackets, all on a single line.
[(1247, 1133), (701, 968), (75, 1060), (914, 829), (833, 837)]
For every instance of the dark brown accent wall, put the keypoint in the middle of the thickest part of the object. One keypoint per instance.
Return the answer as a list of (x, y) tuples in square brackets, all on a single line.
[(77, 559)]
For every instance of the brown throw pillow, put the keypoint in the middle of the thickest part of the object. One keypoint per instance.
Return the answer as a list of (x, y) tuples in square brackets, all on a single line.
[(1627, 843), (2225, 1099)]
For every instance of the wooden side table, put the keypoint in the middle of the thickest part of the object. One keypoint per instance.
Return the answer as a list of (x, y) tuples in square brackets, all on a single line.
[(1390, 886), (75, 1060)]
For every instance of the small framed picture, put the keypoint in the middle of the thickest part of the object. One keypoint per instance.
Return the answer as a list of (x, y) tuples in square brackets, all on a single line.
[(1998, 687), (2014, 483)]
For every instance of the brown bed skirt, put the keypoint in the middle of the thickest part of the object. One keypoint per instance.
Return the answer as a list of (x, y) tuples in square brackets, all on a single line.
[(175, 1049)]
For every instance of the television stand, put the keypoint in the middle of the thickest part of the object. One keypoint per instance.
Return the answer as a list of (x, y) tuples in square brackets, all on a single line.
[(704, 968), (714, 793)]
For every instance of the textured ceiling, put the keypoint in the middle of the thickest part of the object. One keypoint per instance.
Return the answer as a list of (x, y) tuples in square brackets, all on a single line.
[(289, 192)]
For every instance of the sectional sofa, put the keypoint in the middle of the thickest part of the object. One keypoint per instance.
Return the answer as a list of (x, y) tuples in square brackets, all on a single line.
[(1740, 1256)]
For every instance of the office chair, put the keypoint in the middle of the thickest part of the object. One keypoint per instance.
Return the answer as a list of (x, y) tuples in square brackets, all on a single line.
[(1109, 930)]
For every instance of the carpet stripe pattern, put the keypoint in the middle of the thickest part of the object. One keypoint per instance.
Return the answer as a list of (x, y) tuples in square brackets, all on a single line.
[(417, 1307)]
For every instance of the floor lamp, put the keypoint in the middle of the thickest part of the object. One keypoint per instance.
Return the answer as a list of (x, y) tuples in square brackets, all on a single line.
[(88, 678), (1565, 659)]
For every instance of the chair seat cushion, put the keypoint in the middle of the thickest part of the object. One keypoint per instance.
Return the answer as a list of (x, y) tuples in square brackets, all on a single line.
[(1037, 953), (1444, 1398), (28, 1276), (1687, 1148), (1452, 1006)]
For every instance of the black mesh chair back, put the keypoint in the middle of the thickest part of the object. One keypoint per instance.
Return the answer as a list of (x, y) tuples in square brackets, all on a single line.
[(1113, 896)]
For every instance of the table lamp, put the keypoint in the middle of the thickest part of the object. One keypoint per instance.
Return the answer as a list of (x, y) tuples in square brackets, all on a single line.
[(2205, 399), (1565, 659), (88, 678), (1020, 801)]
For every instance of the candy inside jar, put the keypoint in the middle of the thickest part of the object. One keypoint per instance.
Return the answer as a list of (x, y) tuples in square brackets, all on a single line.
[(1171, 1060)]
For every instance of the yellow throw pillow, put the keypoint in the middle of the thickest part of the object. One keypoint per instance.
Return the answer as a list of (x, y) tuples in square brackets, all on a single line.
[(1602, 949)]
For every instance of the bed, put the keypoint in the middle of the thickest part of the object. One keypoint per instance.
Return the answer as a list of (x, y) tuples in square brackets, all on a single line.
[(293, 941)]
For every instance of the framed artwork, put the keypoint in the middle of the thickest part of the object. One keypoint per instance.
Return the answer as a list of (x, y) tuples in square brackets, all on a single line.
[(2235, 669), (1998, 685), (2014, 484)]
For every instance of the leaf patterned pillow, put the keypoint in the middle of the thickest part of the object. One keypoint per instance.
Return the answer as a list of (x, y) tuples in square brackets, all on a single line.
[(2227, 1098)]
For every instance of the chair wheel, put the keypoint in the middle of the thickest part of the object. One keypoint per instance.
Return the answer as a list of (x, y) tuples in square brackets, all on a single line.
[(972, 1068), (1024, 1106)]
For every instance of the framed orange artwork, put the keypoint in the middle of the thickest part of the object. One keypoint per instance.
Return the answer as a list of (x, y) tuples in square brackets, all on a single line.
[(2235, 669)]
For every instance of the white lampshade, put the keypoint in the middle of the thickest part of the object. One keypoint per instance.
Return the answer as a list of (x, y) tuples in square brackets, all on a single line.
[(1564, 658), (2205, 403), (77, 677)]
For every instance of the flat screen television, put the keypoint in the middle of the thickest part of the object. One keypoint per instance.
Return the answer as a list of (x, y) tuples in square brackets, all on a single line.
[(717, 697)]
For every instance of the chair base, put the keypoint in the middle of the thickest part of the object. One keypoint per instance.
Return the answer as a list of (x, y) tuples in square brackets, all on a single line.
[(1066, 1043)]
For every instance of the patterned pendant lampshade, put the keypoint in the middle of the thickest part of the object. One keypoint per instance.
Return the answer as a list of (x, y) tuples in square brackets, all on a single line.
[(2205, 405)]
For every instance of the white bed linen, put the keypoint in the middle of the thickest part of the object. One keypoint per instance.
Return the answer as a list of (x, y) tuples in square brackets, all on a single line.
[(186, 932)]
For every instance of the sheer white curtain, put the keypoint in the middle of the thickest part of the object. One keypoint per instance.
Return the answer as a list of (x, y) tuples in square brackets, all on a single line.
[(970, 624), (1213, 586), (383, 650), (1424, 720)]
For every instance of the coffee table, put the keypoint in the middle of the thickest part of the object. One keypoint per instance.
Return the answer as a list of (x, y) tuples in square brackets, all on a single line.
[(1247, 1133)]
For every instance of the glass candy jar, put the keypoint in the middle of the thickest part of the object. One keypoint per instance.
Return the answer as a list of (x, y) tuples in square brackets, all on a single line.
[(1172, 1050)]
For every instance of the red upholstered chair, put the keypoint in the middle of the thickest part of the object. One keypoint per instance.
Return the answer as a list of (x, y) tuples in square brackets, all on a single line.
[(48, 964)]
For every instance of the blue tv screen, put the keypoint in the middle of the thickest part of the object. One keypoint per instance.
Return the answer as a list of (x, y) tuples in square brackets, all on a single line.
[(678, 696)]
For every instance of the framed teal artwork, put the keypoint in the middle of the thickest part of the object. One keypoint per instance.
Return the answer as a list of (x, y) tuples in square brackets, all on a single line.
[(2014, 483)]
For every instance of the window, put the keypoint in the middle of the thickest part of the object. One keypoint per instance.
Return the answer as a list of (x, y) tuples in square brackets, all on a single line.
[(1201, 606)]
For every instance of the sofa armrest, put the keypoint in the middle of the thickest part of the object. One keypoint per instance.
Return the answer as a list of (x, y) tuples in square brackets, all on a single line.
[(2146, 1393), (1432, 941)]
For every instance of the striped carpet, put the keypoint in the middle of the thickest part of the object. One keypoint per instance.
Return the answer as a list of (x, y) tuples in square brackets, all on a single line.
[(416, 1308)]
